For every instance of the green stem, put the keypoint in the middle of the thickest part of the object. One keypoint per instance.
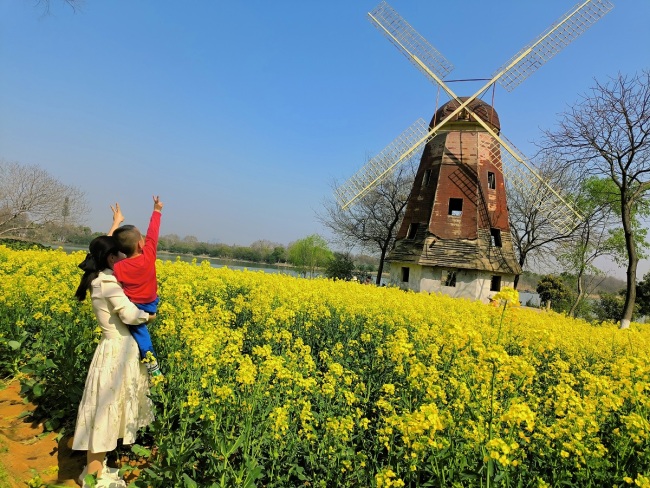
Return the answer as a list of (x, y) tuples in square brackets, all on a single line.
[(492, 383)]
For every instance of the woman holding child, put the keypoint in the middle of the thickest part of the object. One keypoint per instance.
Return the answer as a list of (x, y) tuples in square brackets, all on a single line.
[(115, 401)]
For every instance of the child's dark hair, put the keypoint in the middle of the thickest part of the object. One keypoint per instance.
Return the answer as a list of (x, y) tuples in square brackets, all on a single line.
[(127, 238), (96, 260)]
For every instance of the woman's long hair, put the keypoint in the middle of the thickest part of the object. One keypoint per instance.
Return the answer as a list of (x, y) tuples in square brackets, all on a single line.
[(96, 260)]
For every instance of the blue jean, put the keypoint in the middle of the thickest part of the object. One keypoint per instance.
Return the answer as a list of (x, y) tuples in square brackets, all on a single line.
[(140, 332)]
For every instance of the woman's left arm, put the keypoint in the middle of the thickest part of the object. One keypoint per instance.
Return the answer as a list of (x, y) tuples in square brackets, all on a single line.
[(128, 313)]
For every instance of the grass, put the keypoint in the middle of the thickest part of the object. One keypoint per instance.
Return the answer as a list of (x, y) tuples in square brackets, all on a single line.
[(4, 475)]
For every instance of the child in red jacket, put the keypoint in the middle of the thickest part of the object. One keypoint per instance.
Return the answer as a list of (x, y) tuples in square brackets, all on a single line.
[(137, 274)]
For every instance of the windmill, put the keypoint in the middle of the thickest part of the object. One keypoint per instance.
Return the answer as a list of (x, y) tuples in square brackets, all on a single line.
[(455, 236)]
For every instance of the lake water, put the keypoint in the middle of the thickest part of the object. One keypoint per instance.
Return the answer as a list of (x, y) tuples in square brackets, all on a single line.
[(214, 262), (232, 264)]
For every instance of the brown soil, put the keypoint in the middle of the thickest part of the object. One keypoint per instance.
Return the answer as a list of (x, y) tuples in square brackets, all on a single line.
[(27, 452)]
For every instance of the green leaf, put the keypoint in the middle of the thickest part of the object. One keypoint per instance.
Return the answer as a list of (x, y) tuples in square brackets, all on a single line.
[(299, 471), (14, 345), (138, 450), (189, 482), (253, 474), (37, 390), (232, 448), (51, 424)]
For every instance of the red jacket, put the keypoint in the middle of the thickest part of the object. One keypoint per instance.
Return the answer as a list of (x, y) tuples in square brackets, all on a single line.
[(138, 274)]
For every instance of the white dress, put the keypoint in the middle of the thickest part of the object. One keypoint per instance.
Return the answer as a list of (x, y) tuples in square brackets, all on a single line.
[(115, 402)]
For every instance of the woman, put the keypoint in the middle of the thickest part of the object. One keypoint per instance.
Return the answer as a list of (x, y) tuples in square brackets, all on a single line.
[(115, 402)]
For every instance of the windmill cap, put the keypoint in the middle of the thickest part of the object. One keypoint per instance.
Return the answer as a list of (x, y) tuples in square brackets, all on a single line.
[(478, 107)]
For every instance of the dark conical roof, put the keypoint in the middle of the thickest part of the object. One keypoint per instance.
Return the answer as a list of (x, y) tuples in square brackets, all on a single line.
[(479, 107)]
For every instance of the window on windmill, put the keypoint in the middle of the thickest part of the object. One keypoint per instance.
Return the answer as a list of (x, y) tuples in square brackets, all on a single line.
[(456, 207), (495, 236), (448, 278), (405, 274), (413, 230), (426, 178), (492, 181), (495, 283)]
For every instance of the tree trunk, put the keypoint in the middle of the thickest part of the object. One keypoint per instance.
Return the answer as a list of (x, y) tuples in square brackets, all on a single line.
[(632, 261), (580, 294), (522, 260), (380, 268)]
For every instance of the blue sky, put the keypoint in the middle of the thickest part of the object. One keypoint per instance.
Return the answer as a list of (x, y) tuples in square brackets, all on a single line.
[(239, 114)]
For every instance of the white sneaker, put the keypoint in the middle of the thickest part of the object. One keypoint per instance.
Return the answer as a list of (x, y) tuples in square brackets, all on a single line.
[(110, 473), (110, 478), (110, 483), (105, 482)]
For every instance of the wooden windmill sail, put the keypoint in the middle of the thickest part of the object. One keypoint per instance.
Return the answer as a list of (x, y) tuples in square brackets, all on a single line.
[(465, 154)]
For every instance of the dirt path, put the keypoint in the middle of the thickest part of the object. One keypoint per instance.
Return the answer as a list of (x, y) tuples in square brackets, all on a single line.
[(26, 452)]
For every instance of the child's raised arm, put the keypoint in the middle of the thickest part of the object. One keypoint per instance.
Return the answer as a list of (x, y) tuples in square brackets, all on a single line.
[(118, 218)]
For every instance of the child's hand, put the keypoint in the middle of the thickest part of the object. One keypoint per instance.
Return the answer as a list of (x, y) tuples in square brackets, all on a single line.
[(152, 317), (157, 204), (118, 218)]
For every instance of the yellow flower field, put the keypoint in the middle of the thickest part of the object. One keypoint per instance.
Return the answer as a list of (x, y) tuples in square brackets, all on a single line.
[(277, 381)]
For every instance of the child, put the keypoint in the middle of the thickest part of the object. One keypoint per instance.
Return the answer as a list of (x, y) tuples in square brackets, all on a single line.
[(137, 274)]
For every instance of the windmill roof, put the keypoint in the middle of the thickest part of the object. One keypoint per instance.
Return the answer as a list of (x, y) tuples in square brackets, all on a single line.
[(485, 111)]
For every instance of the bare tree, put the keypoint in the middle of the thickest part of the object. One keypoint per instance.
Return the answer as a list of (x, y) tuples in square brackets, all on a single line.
[(30, 197), (264, 247), (372, 222), (531, 222), (171, 238), (607, 133)]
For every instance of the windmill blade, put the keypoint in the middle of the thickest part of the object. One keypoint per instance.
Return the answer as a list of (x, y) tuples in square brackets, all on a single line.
[(422, 54), (409, 144), (552, 41), (416, 48), (520, 173)]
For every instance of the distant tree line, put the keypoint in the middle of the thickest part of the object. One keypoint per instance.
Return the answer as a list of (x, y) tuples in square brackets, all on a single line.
[(258, 252)]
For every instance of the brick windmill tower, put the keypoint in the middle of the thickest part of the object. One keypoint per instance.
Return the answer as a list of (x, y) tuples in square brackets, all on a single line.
[(455, 236)]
